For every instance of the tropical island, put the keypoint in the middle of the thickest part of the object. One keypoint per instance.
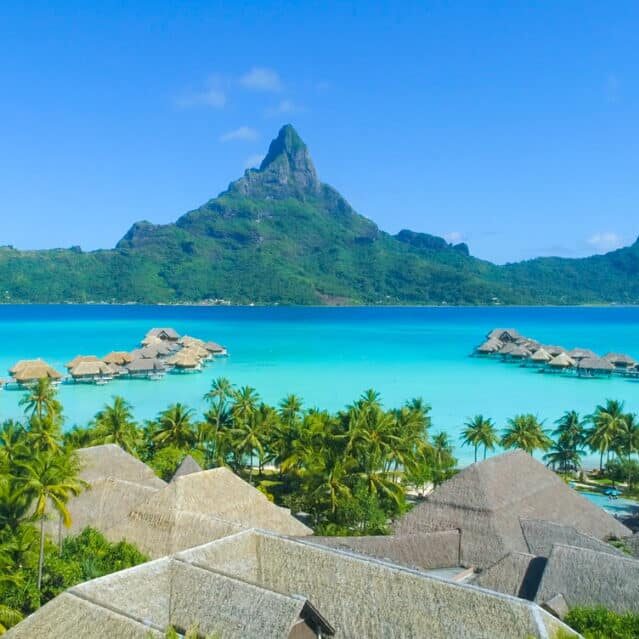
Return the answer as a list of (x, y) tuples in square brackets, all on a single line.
[(356, 500), (278, 235)]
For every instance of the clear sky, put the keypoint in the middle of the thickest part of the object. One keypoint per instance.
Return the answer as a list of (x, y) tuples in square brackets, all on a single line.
[(511, 125)]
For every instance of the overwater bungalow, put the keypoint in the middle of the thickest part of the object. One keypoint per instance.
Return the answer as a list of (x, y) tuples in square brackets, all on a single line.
[(594, 367), (620, 361), (78, 359), (146, 369), (504, 335), (119, 358), (215, 349), (561, 363), (582, 353), (554, 350), (165, 334), (184, 362), (89, 372), (489, 347), (519, 353), (541, 357), (28, 372)]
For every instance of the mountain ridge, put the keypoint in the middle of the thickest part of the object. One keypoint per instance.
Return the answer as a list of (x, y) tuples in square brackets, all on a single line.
[(278, 234)]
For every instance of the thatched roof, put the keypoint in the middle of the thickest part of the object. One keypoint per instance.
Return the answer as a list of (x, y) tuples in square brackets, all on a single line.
[(486, 501), (489, 346), (508, 348), (620, 359), (173, 593), (541, 536), (589, 578), (90, 369), (200, 507), (597, 364), (562, 361), (169, 334), (553, 349), (145, 366), (365, 597), (187, 340), (118, 357), (541, 355), (69, 615), (110, 461), (517, 574), (183, 359), (22, 363), (81, 358), (582, 353), (504, 334), (425, 551), (195, 350), (188, 466), (213, 347), (519, 352), (29, 371)]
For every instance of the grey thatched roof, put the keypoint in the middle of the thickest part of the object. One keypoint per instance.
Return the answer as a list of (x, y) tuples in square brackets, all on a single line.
[(582, 353), (78, 359), (214, 347), (519, 352), (172, 593), (425, 551), (553, 349), (145, 366), (562, 361), (517, 574), (364, 597), (620, 359), (595, 364), (200, 507), (188, 466), (541, 536), (541, 355), (486, 501), (164, 333), (589, 578), (504, 334)]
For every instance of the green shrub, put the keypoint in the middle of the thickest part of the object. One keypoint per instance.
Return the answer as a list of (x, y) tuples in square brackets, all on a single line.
[(600, 623)]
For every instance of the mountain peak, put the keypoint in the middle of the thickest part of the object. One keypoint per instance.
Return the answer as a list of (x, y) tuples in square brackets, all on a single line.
[(286, 171)]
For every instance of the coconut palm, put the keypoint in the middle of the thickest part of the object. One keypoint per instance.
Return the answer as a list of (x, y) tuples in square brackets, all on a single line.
[(41, 400), (526, 433), (174, 427), (51, 480), (607, 422), (565, 455), (479, 431), (114, 424)]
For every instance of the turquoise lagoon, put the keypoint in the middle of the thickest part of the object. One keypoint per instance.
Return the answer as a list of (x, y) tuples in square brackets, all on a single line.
[(329, 356)]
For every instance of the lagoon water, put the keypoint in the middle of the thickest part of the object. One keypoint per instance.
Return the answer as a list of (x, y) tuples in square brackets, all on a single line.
[(329, 356)]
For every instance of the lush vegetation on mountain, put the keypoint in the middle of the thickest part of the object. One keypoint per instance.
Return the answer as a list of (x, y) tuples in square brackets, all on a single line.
[(279, 235)]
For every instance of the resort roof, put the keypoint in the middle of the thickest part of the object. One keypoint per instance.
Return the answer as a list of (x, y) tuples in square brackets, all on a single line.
[(562, 361), (29, 371), (199, 507), (541, 355), (164, 333), (490, 346), (504, 334), (486, 501), (582, 353), (81, 358), (554, 350), (590, 578), (425, 551), (365, 597), (183, 359), (620, 359), (145, 366), (187, 340), (517, 574), (87, 369), (508, 348), (213, 347), (519, 352), (595, 364), (188, 466), (118, 357), (173, 593)]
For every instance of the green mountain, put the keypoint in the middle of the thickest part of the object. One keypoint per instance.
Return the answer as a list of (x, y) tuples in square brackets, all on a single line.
[(279, 235)]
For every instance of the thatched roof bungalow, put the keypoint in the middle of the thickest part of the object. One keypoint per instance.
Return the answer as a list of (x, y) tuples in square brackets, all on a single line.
[(164, 334), (519, 352), (215, 348), (184, 360), (78, 359), (29, 371), (489, 347), (620, 360), (504, 335), (145, 367), (172, 593), (199, 507), (90, 370), (487, 500), (562, 361), (554, 350), (582, 353), (119, 358), (366, 597), (187, 467), (594, 367), (541, 356)]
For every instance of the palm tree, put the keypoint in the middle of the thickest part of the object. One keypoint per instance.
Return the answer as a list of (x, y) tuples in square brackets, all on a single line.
[(218, 397), (570, 429), (41, 400), (607, 423), (525, 432), (50, 479), (563, 454), (8, 617), (115, 425), (173, 427), (627, 441), (479, 431)]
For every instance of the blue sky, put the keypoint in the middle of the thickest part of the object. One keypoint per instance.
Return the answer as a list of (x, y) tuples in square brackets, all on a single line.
[(510, 125)]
